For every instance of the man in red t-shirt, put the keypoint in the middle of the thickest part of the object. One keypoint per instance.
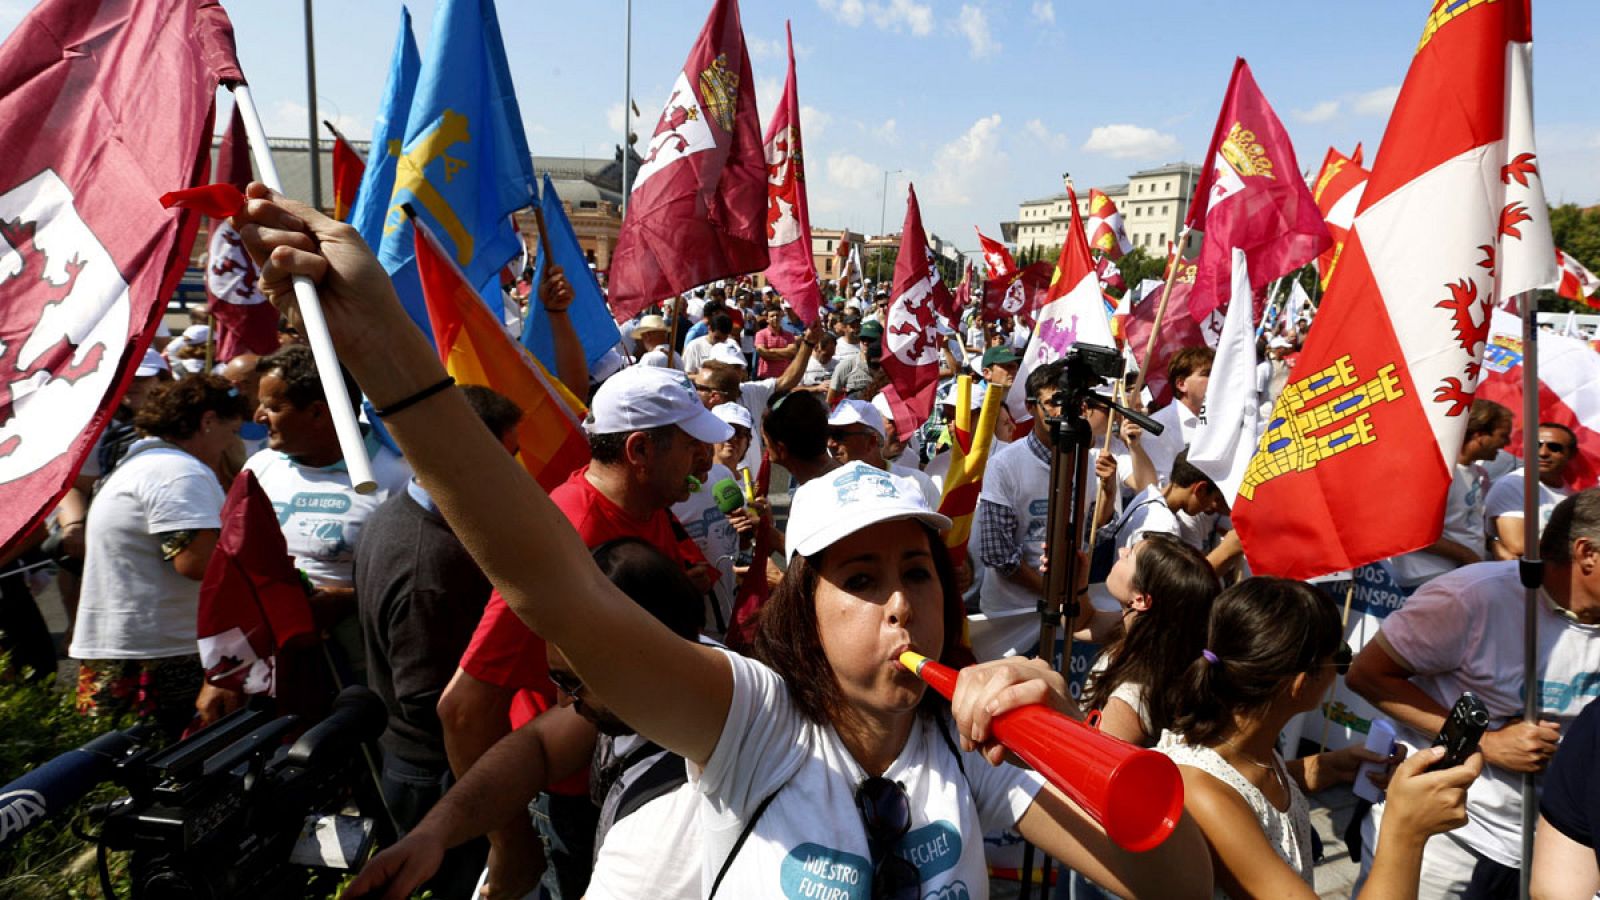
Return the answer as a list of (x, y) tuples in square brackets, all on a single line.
[(648, 432), (774, 346)]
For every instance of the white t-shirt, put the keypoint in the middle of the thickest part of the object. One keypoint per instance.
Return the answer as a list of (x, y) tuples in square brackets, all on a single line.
[(697, 351), (653, 851), (818, 372), (1163, 448), (133, 604), (1148, 513), (810, 841), (656, 357), (1463, 521), (843, 350), (1505, 499), (1017, 479), (714, 534), (1463, 631), (320, 513), (755, 395)]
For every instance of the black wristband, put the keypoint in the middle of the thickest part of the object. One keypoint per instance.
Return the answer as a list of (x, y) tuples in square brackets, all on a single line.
[(414, 399)]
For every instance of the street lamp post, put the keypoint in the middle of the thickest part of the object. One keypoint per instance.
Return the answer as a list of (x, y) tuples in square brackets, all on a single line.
[(883, 215)]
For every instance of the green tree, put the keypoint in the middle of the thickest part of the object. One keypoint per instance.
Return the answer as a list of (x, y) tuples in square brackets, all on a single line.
[(878, 264), (1577, 233)]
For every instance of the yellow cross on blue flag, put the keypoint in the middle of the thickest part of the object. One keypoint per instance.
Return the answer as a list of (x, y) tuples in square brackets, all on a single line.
[(388, 136), (464, 166)]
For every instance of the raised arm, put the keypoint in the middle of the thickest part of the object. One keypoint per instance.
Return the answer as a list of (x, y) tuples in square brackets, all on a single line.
[(673, 692)]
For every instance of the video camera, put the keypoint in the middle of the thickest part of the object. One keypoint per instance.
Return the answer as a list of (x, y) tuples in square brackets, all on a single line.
[(1089, 366), (227, 812)]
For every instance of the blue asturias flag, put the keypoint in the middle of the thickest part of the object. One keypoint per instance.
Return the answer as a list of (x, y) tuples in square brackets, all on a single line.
[(589, 315), (465, 166), (388, 135)]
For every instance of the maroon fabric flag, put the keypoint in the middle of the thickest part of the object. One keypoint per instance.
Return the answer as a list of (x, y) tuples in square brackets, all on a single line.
[(246, 322), (1179, 329), (793, 271), (103, 107), (698, 211), (911, 335), (1251, 195), (252, 602), (1019, 295)]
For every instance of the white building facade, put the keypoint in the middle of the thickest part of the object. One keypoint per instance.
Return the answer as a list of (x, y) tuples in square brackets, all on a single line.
[(1153, 203)]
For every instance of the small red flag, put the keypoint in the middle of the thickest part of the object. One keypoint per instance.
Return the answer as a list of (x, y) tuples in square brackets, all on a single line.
[(246, 322), (252, 602), (698, 211), (103, 106), (348, 167)]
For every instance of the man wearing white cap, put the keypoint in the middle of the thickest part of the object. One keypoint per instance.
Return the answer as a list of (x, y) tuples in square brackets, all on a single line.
[(703, 517), (652, 333), (648, 435), (856, 432)]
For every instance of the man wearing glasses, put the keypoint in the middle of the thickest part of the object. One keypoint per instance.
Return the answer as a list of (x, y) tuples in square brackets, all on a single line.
[(719, 382), (1503, 516)]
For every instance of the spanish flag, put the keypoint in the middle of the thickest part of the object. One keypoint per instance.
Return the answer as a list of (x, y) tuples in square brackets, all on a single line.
[(969, 456), (475, 349)]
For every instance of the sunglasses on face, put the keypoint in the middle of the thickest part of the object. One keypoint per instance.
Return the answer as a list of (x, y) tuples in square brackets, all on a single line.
[(1553, 446), (566, 682), (886, 813)]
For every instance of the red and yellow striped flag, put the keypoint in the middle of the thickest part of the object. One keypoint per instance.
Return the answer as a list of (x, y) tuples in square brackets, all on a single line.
[(969, 455)]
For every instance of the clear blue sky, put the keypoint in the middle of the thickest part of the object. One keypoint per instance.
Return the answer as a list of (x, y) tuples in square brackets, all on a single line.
[(983, 103)]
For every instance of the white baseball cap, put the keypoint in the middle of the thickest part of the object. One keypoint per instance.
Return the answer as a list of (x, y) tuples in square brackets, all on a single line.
[(1280, 343), (641, 397), (197, 334), (728, 352), (852, 497), (851, 412), (734, 414), (152, 364)]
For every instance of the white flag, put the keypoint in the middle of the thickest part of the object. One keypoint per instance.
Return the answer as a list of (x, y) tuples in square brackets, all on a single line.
[(1223, 445)]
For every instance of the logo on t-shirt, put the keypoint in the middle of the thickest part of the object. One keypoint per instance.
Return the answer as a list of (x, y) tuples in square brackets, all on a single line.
[(815, 872)]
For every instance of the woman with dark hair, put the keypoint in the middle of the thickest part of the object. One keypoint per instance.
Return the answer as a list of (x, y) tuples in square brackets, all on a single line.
[(1272, 649), (150, 533), (826, 750), (1164, 588)]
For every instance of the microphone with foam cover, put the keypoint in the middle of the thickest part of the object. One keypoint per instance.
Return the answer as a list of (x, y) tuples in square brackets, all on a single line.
[(729, 497)]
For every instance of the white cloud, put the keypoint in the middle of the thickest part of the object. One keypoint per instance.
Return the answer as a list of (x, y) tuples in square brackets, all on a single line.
[(768, 92), (287, 118), (887, 132), (1044, 12), (1131, 142), (965, 166), (851, 172), (973, 24), (1322, 112), (1376, 103), (1040, 133), (614, 118), (775, 49), (813, 122), (894, 15)]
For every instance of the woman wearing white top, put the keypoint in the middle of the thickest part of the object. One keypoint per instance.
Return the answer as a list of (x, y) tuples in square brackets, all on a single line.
[(1273, 647), (829, 754)]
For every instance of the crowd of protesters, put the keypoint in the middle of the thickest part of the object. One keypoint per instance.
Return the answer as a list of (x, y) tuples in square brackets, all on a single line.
[(580, 705)]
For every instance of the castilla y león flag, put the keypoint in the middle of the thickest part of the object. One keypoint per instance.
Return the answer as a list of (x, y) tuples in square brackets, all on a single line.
[(793, 271), (246, 322), (103, 107), (1250, 195), (698, 210), (1453, 219), (1338, 190), (911, 335)]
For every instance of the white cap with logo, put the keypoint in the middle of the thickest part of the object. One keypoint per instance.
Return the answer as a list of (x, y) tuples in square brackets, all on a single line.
[(643, 397), (852, 497)]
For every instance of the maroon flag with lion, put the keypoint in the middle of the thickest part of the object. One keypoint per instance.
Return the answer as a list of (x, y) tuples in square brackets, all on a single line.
[(103, 108)]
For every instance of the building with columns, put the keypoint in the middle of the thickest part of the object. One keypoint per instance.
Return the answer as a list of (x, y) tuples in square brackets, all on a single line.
[(1153, 203)]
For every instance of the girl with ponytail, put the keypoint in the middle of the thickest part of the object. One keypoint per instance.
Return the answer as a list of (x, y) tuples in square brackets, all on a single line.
[(1272, 649)]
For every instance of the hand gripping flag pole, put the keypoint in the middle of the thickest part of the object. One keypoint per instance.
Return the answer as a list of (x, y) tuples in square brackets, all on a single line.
[(1530, 567), (316, 325)]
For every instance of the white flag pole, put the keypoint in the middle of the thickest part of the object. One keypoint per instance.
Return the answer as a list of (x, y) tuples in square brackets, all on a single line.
[(316, 325)]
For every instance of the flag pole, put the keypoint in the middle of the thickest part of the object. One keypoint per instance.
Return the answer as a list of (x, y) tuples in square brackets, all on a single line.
[(627, 120), (1173, 257), (316, 325), (311, 113), (1530, 568)]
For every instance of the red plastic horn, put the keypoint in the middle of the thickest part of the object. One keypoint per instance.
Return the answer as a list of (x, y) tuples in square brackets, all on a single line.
[(1135, 794)]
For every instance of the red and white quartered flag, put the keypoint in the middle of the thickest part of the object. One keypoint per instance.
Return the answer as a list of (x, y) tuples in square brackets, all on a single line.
[(1577, 283), (1104, 227), (1338, 190), (792, 270), (1452, 221), (1569, 389), (103, 108)]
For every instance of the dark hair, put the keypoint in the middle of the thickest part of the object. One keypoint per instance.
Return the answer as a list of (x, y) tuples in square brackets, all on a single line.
[(1186, 362), (798, 421), (788, 640), (1047, 375), (1187, 474), (712, 308), (173, 410), (1486, 417), (297, 368), (1578, 516), (495, 409), (721, 323), (1160, 642), (608, 448), (653, 581), (1572, 436), (1263, 631)]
